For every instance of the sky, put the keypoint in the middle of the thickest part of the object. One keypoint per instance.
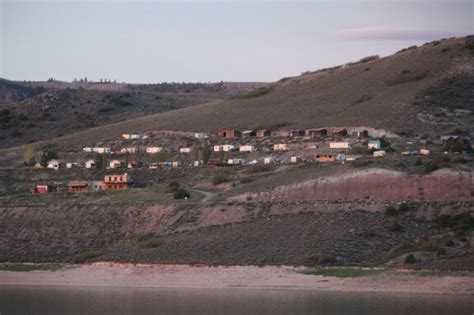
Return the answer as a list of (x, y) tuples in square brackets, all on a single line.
[(197, 41)]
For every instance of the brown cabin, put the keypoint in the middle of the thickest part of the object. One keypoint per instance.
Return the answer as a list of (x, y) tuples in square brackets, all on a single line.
[(360, 133), (228, 133), (78, 186), (325, 158), (339, 132), (317, 133), (296, 133), (248, 133), (263, 133), (117, 182)]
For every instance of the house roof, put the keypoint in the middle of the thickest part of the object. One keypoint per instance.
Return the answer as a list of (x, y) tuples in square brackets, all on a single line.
[(78, 183)]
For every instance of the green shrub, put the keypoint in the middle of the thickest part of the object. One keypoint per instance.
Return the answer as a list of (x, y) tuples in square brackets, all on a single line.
[(428, 244), (394, 227), (440, 252), (391, 211), (321, 259), (246, 180), (172, 187), (219, 179), (410, 259), (181, 194), (85, 256), (403, 207), (459, 222), (393, 252), (431, 167), (148, 244), (450, 243)]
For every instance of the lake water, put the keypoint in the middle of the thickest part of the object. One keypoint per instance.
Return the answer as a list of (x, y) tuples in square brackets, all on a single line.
[(117, 301)]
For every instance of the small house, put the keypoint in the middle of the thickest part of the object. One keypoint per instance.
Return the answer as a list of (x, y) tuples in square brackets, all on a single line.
[(247, 148), (379, 153), (153, 150), (38, 166), (90, 164), (268, 160), (224, 147), (96, 185), (317, 133), (296, 133), (248, 134), (129, 136), (363, 133), (101, 150), (280, 133), (131, 150), (339, 145), (325, 157), (450, 139), (185, 150), (73, 165), (132, 164), (43, 189), (296, 159), (115, 164), (229, 133), (235, 161), (201, 135), (117, 182), (280, 147), (339, 132), (263, 133), (374, 144), (352, 157), (53, 164), (78, 186)]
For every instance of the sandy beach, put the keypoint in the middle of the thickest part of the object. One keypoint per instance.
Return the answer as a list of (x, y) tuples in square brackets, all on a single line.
[(252, 277)]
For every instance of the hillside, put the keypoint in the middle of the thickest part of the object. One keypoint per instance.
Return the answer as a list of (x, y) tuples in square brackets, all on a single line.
[(415, 91), (61, 112), (11, 91)]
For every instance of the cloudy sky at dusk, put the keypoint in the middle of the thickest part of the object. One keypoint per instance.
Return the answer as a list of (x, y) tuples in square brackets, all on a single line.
[(157, 41)]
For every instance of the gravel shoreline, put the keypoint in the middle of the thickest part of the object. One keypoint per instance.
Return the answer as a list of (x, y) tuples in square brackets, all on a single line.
[(107, 274)]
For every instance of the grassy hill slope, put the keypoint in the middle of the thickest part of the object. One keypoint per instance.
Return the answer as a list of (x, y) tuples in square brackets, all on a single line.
[(61, 112), (417, 90)]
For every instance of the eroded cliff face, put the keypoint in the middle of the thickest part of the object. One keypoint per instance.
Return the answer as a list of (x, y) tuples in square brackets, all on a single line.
[(376, 185)]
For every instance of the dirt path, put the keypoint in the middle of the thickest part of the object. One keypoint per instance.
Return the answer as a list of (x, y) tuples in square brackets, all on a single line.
[(207, 194)]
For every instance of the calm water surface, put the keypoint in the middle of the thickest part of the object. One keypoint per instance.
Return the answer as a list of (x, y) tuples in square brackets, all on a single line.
[(98, 300)]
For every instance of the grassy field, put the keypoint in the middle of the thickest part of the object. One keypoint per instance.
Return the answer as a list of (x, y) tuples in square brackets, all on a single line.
[(150, 195), (30, 267)]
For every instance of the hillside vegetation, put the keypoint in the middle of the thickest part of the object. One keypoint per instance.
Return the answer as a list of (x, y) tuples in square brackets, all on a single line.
[(61, 112), (12, 91)]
